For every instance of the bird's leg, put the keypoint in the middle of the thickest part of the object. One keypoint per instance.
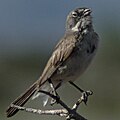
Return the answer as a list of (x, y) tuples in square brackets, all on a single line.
[(54, 92), (58, 85), (85, 94)]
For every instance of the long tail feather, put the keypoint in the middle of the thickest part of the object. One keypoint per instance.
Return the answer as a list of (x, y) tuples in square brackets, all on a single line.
[(21, 100)]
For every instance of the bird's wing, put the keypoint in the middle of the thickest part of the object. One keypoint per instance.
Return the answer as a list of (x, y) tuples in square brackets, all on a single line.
[(62, 51)]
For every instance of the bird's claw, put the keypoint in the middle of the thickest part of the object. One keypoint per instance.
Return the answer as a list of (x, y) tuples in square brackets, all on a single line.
[(56, 100), (85, 95)]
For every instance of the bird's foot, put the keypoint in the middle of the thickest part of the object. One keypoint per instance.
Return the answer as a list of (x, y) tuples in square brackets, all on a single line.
[(85, 96), (56, 100)]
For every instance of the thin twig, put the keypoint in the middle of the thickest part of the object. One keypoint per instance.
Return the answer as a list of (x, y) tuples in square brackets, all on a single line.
[(72, 113), (59, 112), (76, 105), (65, 112)]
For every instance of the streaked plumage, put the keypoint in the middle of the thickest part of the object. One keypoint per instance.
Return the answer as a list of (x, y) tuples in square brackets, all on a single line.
[(70, 58)]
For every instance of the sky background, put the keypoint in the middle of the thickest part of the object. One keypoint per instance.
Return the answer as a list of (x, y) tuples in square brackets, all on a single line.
[(29, 30), (32, 24)]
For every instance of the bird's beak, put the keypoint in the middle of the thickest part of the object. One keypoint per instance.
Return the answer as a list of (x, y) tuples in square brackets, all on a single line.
[(87, 12)]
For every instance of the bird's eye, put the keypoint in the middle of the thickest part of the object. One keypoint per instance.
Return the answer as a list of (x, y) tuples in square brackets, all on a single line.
[(74, 14)]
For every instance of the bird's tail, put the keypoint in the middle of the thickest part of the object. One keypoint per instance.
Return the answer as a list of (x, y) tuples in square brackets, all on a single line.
[(21, 100)]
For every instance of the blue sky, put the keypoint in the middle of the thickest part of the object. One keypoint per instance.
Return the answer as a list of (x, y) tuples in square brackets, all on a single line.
[(27, 23)]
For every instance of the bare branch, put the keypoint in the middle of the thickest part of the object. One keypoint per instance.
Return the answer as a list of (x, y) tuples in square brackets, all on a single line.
[(59, 112), (67, 112)]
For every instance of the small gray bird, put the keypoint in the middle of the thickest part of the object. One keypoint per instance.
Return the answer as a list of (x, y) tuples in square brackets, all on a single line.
[(70, 58)]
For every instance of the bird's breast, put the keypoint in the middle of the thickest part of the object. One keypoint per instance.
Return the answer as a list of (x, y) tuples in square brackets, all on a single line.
[(78, 61)]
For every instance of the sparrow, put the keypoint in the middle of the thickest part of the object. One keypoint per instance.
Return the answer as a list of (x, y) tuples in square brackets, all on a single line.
[(70, 58)]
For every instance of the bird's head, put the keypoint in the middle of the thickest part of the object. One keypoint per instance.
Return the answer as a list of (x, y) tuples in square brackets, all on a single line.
[(79, 19)]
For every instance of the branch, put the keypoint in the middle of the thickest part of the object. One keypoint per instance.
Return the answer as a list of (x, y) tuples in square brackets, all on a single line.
[(59, 112), (72, 114), (66, 112)]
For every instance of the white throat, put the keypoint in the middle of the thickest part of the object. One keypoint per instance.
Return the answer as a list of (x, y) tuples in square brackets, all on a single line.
[(76, 28)]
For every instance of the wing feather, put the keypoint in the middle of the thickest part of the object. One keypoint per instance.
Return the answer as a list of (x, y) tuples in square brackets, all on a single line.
[(62, 51)]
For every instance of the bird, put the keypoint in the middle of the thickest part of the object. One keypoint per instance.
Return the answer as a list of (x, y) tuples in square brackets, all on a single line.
[(70, 58)]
